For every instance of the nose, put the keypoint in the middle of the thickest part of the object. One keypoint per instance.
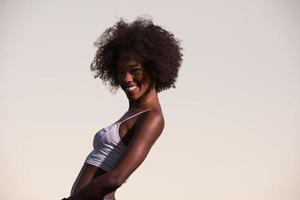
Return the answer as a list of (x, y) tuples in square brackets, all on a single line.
[(127, 77)]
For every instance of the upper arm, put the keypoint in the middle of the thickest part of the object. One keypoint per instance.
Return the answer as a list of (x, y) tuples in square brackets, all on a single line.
[(146, 131)]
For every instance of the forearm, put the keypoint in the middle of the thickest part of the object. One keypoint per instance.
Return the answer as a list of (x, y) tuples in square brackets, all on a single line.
[(98, 188)]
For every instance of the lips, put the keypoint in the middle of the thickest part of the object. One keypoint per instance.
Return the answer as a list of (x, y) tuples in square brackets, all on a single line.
[(130, 88)]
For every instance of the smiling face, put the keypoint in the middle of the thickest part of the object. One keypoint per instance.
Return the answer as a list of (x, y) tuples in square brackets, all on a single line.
[(133, 78)]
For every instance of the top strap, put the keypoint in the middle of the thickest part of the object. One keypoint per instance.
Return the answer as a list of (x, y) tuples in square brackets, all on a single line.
[(134, 115)]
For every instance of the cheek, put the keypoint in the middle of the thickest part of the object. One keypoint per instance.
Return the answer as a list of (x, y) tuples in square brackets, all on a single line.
[(146, 84), (140, 77), (118, 77)]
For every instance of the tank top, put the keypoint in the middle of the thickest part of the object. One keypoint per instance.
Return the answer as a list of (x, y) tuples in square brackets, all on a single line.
[(107, 146)]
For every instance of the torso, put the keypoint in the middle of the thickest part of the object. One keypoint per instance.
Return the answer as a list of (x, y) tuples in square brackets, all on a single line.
[(90, 172), (86, 175)]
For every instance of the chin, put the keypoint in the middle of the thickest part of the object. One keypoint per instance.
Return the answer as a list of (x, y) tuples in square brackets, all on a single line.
[(133, 98)]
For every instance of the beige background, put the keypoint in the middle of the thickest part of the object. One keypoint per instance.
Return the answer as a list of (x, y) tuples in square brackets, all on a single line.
[(232, 125)]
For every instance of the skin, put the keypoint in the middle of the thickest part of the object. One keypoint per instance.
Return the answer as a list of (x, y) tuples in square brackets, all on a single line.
[(94, 183)]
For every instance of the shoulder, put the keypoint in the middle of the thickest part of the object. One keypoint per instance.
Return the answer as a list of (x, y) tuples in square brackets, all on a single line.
[(152, 117), (148, 128)]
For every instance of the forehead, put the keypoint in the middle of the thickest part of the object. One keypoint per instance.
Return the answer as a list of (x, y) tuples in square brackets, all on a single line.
[(127, 61)]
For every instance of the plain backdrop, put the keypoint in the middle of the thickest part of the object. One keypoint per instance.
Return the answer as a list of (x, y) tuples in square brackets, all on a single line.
[(232, 123)]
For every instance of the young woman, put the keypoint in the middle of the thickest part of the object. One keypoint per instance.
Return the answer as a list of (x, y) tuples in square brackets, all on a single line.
[(143, 59)]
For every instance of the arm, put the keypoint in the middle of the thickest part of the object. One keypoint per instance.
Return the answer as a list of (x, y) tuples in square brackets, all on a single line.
[(147, 130)]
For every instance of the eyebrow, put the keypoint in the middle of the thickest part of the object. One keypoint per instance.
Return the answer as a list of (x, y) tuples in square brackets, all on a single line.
[(133, 65)]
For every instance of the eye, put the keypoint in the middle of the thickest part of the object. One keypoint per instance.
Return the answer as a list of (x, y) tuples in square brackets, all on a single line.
[(136, 70)]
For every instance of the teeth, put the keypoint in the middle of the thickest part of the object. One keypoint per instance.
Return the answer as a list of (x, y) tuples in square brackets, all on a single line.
[(131, 88)]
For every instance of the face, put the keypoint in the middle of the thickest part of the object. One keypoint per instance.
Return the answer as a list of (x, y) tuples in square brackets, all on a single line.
[(133, 78)]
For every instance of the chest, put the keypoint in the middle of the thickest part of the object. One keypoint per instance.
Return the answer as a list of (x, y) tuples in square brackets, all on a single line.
[(119, 132)]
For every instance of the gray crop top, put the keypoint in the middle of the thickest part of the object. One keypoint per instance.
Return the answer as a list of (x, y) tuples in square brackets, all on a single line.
[(108, 147)]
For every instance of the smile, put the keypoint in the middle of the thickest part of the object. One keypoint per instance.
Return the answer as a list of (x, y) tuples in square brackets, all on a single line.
[(131, 88)]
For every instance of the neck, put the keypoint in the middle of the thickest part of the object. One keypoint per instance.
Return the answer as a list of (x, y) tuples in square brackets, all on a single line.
[(149, 100)]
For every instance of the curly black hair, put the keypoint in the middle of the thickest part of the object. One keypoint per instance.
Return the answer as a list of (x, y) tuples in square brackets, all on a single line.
[(154, 47)]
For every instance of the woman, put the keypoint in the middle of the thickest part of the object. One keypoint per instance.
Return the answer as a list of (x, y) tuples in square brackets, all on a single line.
[(143, 59)]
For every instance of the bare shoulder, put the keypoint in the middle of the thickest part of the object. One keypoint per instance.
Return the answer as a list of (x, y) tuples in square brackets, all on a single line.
[(146, 131), (150, 118), (147, 128)]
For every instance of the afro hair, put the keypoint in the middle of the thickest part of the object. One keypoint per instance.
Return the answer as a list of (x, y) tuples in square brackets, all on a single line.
[(155, 48)]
